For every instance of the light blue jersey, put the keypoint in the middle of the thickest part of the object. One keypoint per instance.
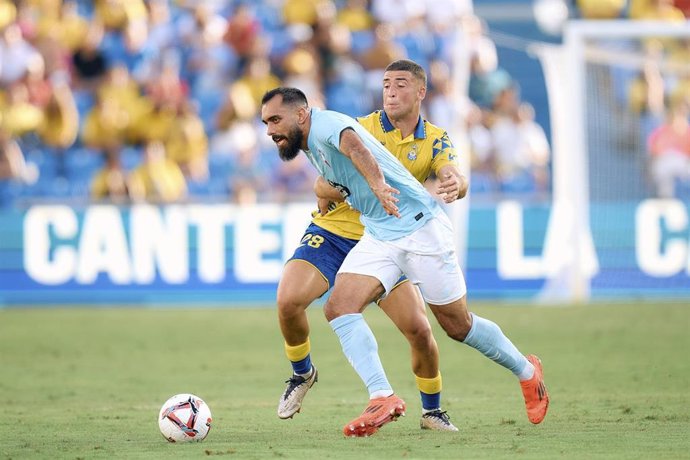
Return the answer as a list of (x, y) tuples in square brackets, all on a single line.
[(416, 206)]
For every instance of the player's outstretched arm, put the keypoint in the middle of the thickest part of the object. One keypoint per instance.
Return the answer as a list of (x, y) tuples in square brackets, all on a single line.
[(351, 146), (453, 185)]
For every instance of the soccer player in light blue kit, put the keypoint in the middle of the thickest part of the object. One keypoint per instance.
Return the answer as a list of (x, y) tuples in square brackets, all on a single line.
[(406, 232)]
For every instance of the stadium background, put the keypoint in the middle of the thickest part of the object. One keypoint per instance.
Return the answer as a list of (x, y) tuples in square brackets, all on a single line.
[(168, 92)]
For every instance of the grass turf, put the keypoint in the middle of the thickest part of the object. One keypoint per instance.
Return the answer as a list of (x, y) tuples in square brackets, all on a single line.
[(88, 383)]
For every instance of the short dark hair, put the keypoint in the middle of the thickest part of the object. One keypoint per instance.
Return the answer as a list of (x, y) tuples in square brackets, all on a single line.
[(406, 65), (291, 96)]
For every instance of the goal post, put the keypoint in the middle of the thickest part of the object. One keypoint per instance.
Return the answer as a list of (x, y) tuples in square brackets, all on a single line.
[(600, 169)]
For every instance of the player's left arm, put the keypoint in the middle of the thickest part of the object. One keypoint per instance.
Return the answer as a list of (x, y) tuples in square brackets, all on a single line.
[(327, 195), (351, 146), (453, 184)]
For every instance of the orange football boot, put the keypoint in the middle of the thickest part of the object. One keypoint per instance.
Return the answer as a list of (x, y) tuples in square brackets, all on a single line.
[(379, 412), (534, 391)]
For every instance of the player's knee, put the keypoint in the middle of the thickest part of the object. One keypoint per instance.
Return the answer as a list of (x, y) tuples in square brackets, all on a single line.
[(330, 310), (457, 327), (421, 337), (290, 305)]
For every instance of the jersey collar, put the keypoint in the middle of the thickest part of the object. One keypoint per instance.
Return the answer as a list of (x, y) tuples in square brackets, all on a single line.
[(419, 131)]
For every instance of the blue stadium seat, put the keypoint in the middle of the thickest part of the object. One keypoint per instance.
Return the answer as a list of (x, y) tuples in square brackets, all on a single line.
[(82, 163), (130, 157), (362, 40), (9, 191)]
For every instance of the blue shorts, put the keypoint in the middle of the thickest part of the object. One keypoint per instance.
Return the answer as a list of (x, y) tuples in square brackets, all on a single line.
[(325, 251)]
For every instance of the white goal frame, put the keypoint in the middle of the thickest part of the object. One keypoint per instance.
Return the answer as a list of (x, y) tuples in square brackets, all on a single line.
[(569, 248)]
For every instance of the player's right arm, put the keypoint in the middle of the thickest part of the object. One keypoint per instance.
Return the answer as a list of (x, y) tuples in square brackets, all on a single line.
[(351, 146)]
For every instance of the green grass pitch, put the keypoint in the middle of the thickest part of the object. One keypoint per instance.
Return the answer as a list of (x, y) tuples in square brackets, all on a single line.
[(88, 383)]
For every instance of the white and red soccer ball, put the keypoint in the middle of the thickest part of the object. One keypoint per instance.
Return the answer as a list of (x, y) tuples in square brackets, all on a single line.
[(185, 418)]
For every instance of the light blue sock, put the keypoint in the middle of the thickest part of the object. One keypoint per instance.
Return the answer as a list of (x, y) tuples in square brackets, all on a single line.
[(362, 351), (486, 337)]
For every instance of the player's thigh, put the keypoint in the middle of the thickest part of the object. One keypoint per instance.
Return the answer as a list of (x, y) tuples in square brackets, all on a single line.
[(351, 294), (374, 259), (300, 284), (405, 307), (438, 276), (311, 270)]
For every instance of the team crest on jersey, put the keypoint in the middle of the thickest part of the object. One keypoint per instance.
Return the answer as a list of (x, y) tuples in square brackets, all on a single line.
[(412, 154)]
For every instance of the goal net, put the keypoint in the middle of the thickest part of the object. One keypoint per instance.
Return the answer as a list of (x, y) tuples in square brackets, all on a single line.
[(618, 95)]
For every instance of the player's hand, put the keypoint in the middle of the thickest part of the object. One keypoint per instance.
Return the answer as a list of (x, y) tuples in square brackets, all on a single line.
[(325, 205), (386, 196), (452, 187)]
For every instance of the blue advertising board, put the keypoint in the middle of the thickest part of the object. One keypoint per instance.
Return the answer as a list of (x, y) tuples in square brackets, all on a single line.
[(233, 255)]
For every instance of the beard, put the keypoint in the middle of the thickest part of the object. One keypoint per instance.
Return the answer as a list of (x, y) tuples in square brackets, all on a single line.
[(293, 145)]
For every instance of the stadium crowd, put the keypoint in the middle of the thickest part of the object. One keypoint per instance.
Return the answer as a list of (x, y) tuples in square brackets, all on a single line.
[(158, 100), (654, 89)]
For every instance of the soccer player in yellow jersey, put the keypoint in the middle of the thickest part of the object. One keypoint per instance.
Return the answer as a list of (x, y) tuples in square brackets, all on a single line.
[(422, 148)]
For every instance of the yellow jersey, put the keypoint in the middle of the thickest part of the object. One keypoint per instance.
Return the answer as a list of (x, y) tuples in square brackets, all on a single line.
[(424, 151)]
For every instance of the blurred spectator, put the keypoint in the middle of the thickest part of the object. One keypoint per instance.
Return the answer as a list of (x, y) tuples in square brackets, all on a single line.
[(487, 79), (417, 39), (660, 10), (441, 103), (302, 71), (90, 64), (158, 179), (258, 78), (601, 9), (16, 55), (481, 148), (384, 51), (234, 129), (165, 88), (67, 27), (105, 125), (397, 12), (302, 11), (202, 24), (374, 59), (646, 97), (19, 115), (684, 6), (60, 125), (669, 150), (646, 91), (187, 144), (162, 33), (345, 85), (242, 32), (128, 17), (159, 125), (12, 163), (355, 16), (124, 91), (186, 77), (8, 13), (39, 88), (521, 151), (110, 183), (209, 63)]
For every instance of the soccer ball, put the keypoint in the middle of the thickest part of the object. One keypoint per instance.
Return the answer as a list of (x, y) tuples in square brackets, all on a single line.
[(184, 418)]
